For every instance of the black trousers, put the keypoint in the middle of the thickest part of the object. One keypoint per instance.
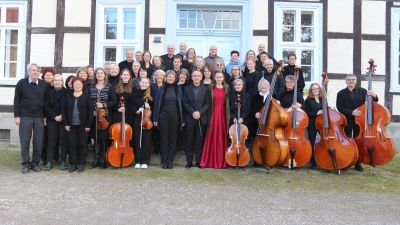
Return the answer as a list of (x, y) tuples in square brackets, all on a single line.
[(57, 136), (312, 133), (156, 140), (169, 124), (181, 141), (196, 131), (142, 154), (77, 136), (27, 125)]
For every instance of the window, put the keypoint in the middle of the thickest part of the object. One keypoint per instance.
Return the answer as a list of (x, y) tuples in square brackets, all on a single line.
[(209, 19), (299, 31), (12, 44), (395, 51), (120, 28)]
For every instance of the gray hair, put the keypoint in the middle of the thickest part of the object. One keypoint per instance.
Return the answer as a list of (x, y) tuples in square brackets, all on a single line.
[(28, 67), (55, 76), (262, 80), (94, 79), (351, 75)]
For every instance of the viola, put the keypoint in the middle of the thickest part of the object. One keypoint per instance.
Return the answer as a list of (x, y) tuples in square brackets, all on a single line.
[(374, 146), (237, 154), (270, 147), (299, 146), (334, 151), (120, 154), (101, 121), (146, 118)]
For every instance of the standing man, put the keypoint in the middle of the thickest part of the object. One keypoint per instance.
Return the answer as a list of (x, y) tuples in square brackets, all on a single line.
[(29, 116), (107, 68), (347, 102), (127, 64), (261, 49), (267, 73), (177, 63), (182, 50), (195, 102), (168, 59), (289, 70), (210, 59), (139, 56)]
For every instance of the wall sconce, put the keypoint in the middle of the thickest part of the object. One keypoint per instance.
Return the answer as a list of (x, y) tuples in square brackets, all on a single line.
[(157, 39)]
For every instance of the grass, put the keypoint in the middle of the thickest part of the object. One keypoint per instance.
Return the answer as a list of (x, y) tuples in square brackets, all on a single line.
[(386, 180)]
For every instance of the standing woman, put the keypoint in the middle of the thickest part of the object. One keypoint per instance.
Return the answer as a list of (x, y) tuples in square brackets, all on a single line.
[(77, 116), (313, 107), (208, 76), (159, 82), (236, 73), (200, 64), (257, 103), (124, 89), (245, 100), (135, 69), (68, 83), (157, 64), (191, 59), (146, 63), (47, 76), (141, 101), (108, 99), (286, 98), (252, 77), (84, 74), (183, 77), (56, 131), (183, 80), (218, 115), (168, 116), (114, 77), (220, 67), (90, 71), (250, 55)]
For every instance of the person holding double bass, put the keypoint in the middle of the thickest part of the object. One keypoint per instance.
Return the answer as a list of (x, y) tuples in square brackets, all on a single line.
[(347, 102)]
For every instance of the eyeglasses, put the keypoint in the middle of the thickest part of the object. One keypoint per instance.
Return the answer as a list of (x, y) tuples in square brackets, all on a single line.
[(314, 89), (219, 64), (57, 80)]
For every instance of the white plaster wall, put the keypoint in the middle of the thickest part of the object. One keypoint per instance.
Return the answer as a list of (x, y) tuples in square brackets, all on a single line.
[(44, 13), (260, 15), (8, 95), (376, 51), (334, 87), (77, 13), (396, 105), (340, 16), (42, 49), (340, 56), (258, 40), (76, 50), (157, 48), (378, 87), (158, 10), (373, 17)]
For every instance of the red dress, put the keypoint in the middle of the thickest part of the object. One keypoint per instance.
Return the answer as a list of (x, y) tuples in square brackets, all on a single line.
[(216, 141)]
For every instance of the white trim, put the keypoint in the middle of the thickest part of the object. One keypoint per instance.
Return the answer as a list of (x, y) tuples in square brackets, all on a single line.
[(394, 52), (245, 6)]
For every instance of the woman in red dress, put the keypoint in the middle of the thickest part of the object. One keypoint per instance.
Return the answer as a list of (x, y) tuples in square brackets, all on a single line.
[(216, 141)]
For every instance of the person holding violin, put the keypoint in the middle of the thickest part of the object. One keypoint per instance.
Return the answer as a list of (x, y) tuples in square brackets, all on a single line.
[(141, 103), (104, 99), (286, 98), (218, 117), (77, 115), (347, 102), (168, 116), (195, 102), (313, 107)]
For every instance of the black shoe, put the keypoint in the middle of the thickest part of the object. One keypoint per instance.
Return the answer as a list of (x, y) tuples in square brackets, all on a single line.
[(188, 166), (169, 166), (48, 166), (35, 168), (25, 169), (72, 168), (44, 162), (63, 166), (180, 153), (256, 165), (198, 166), (358, 167), (95, 164), (164, 166), (103, 164), (81, 168)]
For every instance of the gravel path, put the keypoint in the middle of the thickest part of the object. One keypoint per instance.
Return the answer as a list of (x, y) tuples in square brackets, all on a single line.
[(145, 197)]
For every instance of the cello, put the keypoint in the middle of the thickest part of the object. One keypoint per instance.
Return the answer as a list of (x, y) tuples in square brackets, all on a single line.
[(270, 147), (334, 151), (238, 155), (374, 146), (299, 146), (120, 154)]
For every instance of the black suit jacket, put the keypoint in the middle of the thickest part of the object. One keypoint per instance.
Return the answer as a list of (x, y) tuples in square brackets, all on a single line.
[(191, 105), (85, 108)]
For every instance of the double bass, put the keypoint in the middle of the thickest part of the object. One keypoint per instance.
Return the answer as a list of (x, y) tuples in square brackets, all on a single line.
[(334, 151), (238, 155), (270, 147), (299, 146), (120, 154), (374, 146)]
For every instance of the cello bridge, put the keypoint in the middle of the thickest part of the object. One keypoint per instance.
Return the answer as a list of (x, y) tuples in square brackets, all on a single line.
[(329, 137), (293, 138), (370, 136), (265, 135)]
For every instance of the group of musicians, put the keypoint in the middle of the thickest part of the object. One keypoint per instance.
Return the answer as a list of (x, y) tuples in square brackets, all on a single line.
[(192, 109)]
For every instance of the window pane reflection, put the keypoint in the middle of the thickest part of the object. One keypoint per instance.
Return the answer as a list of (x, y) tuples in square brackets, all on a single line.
[(285, 54), (130, 15), (307, 34), (111, 31), (288, 33), (12, 14), (10, 69), (129, 31), (289, 17), (110, 54), (110, 15)]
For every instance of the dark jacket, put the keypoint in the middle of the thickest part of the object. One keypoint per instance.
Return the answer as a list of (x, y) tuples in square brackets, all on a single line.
[(168, 63), (190, 104), (210, 108), (53, 103), (286, 99), (279, 87), (244, 110), (158, 102), (311, 107), (289, 70), (29, 98), (85, 109)]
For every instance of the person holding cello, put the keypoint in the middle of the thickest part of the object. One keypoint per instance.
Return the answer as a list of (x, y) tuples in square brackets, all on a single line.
[(286, 98), (104, 99), (141, 103), (347, 102), (238, 91), (124, 88)]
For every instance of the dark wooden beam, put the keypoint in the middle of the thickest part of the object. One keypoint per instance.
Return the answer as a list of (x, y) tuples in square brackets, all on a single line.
[(59, 39), (28, 34), (325, 36), (77, 30), (43, 30), (70, 69), (6, 108), (357, 40), (156, 30), (271, 20), (337, 35), (388, 100), (146, 25), (260, 32), (92, 32)]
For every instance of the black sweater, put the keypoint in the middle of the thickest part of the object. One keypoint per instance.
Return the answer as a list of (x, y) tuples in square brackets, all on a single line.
[(289, 70), (279, 84), (286, 99), (29, 98), (85, 109), (125, 65), (53, 103), (252, 80)]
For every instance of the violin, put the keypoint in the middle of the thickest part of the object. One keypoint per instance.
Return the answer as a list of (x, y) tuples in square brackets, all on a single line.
[(101, 122), (300, 147), (237, 154), (146, 118), (334, 151), (120, 154), (374, 145), (270, 147)]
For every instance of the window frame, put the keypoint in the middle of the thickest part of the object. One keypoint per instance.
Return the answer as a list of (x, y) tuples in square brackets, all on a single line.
[(315, 46), (120, 44), (395, 51), (21, 45)]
